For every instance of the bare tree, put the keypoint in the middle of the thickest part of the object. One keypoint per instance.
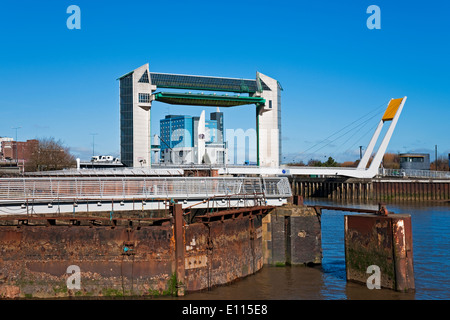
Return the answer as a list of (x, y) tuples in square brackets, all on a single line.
[(391, 161), (442, 164), (49, 154)]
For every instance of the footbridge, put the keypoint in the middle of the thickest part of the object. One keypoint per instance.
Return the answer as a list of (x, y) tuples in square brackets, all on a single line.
[(363, 170), (367, 168), (70, 195)]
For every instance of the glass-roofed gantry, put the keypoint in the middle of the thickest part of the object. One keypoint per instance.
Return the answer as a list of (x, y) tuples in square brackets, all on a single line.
[(138, 89), (178, 81), (188, 82)]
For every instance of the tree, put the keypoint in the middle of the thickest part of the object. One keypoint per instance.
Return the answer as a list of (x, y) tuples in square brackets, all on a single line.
[(314, 163), (330, 163), (442, 164), (317, 163), (350, 164), (298, 164), (49, 154), (391, 161)]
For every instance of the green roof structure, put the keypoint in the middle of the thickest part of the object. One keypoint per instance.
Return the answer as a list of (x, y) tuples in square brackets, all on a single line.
[(212, 100)]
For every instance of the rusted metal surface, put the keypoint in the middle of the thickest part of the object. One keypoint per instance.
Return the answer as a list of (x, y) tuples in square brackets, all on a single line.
[(223, 246), (298, 200), (80, 220), (233, 213), (381, 209), (35, 260), (384, 241), (128, 256), (219, 252), (179, 227), (403, 244)]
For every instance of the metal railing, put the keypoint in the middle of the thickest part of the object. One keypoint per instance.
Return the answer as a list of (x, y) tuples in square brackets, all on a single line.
[(76, 188), (111, 172), (411, 173)]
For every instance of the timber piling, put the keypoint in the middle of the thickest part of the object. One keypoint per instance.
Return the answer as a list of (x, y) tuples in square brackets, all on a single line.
[(378, 189)]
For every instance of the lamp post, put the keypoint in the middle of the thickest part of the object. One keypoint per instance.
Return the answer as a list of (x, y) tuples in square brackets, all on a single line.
[(93, 140), (17, 128), (435, 158), (17, 151)]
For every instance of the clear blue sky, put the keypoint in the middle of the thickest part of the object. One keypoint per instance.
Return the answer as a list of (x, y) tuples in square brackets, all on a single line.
[(61, 83)]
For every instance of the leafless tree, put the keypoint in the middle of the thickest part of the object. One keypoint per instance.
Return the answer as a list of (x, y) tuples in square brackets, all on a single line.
[(49, 154), (442, 164)]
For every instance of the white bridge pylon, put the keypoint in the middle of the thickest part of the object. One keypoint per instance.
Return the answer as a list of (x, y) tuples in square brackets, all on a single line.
[(392, 113)]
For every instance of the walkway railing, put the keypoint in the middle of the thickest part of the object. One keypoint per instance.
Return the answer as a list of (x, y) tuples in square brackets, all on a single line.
[(410, 173), (75, 188)]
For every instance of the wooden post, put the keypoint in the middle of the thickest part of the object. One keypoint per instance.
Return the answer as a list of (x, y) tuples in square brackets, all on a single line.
[(177, 213)]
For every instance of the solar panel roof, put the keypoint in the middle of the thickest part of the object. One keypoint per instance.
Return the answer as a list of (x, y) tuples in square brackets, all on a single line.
[(165, 80)]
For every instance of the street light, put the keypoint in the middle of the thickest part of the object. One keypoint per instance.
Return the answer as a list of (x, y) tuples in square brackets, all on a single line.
[(93, 139), (16, 128), (17, 151), (435, 158)]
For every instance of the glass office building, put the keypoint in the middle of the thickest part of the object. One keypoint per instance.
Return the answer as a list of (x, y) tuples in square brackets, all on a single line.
[(176, 131)]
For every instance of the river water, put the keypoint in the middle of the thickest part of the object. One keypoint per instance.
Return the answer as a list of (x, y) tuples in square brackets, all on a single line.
[(431, 245)]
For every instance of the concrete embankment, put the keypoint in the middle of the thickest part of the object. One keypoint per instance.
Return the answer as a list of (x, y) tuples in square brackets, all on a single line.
[(292, 236)]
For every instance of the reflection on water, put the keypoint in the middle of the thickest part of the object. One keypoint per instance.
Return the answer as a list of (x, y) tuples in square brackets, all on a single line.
[(431, 245)]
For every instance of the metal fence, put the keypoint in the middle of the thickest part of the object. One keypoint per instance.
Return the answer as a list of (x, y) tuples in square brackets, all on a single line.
[(411, 173), (111, 172), (75, 188)]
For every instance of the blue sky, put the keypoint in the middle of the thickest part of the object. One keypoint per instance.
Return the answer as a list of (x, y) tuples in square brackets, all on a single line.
[(62, 83)]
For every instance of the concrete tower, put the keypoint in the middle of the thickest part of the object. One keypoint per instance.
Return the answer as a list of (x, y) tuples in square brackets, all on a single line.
[(268, 123), (135, 104)]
